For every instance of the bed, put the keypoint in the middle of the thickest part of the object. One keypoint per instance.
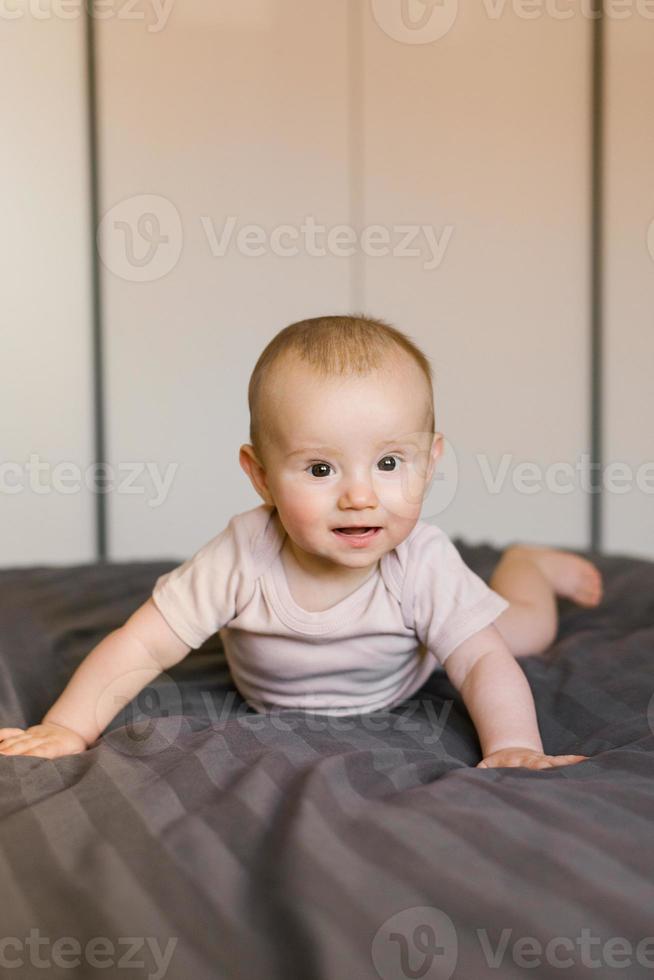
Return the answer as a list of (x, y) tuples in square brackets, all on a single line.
[(199, 839)]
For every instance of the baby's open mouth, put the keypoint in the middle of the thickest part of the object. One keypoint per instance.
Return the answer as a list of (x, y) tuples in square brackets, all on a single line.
[(356, 530)]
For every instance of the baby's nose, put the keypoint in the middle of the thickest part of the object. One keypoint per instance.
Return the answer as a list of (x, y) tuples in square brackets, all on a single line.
[(360, 492)]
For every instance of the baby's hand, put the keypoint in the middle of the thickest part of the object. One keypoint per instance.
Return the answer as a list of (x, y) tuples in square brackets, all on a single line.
[(47, 740), (517, 756)]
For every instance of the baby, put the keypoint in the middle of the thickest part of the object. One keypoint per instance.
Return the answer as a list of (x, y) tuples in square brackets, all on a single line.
[(332, 595)]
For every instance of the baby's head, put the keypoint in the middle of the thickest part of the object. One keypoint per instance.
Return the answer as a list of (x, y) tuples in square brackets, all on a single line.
[(341, 434)]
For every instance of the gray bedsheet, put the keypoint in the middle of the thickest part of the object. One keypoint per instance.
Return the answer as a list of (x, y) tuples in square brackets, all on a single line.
[(197, 839)]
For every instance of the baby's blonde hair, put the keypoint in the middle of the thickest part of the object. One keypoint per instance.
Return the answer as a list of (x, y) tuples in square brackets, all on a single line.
[(331, 345)]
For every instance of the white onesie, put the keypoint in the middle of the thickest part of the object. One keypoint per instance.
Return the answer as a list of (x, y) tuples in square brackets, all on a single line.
[(371, 650)]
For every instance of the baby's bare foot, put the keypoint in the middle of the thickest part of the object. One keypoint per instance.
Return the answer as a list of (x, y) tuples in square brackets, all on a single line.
[(569, 575)]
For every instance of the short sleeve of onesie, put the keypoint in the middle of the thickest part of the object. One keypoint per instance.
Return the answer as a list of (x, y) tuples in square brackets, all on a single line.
[(450, 601), (201, 596)]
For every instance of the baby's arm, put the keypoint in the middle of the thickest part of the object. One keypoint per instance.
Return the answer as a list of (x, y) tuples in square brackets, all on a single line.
[(112, 674), (499, 700)]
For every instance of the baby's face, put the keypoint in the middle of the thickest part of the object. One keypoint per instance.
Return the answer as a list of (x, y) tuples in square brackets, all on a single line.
[(347, 451)]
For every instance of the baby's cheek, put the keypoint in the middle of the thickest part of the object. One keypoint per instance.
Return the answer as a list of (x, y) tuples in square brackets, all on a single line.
[(406, 492), (403, 509), (303, 510)]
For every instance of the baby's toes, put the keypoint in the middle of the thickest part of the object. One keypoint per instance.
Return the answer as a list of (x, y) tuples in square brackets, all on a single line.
[(590, 588)]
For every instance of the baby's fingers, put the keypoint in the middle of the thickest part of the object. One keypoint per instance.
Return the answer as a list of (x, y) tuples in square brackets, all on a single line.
[(37, 747), (9, 745), (566, 760), (5, 732), (23, 744), (552, 761)]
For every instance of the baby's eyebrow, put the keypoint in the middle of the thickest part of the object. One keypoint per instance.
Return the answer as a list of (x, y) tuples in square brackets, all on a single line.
[(400, 441), (313, 449)]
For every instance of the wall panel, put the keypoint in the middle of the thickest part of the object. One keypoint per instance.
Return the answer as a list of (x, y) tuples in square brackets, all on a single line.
[(46, 423), (230, 116), (482, 135), (629, 288)]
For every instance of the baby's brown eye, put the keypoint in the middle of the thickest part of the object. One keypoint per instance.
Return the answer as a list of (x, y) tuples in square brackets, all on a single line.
[(317, 466), (386, 458)]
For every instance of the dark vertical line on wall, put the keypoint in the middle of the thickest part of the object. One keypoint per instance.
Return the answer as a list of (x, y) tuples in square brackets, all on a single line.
[(355, 54), (96, 287), (597, 270)]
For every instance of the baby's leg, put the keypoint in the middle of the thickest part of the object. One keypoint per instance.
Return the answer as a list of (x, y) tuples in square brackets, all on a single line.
[(530, 578)]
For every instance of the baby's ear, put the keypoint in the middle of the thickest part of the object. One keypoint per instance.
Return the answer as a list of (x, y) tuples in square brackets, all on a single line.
[(437, 446), (435, 453), (255, 471)]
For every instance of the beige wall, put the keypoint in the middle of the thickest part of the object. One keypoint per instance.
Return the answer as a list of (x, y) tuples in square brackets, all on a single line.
[(46, 510), (629, 392), (269, 112), (490, 146), (242, 119)]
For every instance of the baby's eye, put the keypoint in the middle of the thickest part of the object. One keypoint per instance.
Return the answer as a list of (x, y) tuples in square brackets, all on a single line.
[(319, 469), (392, 469), (315, 466)]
